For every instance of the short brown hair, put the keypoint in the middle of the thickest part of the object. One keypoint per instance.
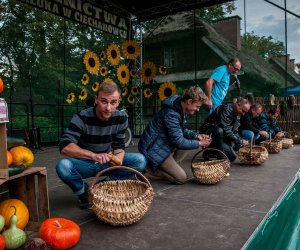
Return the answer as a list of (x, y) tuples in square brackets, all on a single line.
[(108, 87), (194, 93)]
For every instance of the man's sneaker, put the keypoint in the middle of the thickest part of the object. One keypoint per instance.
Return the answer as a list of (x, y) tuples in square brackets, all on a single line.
[(84, 198)]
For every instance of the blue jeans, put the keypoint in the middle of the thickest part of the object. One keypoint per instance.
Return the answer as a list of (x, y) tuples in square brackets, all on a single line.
[(248, 134), (72, 171)]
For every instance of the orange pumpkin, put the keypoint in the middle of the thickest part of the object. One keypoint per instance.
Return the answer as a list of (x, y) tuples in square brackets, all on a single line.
[(22, 155), (9, 158), (7, 210), (60, 233), (1, 85)]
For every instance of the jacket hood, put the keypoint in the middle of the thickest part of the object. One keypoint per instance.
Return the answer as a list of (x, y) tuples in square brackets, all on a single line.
[(173, 102)]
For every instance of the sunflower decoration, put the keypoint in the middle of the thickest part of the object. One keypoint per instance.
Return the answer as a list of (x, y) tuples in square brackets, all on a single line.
[(133, 73), (124, 91), (123, 74), (91, 61), (85, 79), (130, 99), (95, 86), (102, 55), (107, 79), (113, 54), (162, 70), (134, 90), (70, 98), (167, 89), (83, 94), (147, 93), (103, 71), (131, 49), (148, 71)]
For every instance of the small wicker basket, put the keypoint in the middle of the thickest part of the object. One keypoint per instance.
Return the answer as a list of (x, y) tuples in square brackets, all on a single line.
[(287, 143), (212, 171), (273, 146), (121, 202), (253, 155), (296, 137)]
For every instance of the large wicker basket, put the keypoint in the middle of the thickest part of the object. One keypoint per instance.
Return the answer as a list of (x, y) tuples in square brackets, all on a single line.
[(121, 202), (273, 146), (212, 171), (253, 155)]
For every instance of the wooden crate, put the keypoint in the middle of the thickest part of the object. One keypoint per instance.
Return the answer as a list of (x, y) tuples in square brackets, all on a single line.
[(30, 186)]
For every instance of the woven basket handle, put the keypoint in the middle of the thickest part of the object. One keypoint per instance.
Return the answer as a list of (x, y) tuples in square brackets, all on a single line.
[(120, 167), (202, 150)]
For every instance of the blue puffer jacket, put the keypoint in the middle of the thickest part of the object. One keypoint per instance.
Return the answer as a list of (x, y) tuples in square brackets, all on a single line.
[(167, 131)]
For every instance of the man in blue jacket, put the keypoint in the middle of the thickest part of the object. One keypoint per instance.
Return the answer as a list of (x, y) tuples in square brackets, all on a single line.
[(166, 139)]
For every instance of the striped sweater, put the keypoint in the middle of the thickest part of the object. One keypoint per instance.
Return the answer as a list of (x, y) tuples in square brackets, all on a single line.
[(89, 132)]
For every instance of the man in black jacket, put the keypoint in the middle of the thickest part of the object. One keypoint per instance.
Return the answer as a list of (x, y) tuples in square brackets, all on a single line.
[(223, 124), (249, 125)]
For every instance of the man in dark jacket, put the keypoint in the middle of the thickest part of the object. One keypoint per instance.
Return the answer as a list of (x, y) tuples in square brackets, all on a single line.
[(223, 124), (267, 121), (250, 128), (166, 140)]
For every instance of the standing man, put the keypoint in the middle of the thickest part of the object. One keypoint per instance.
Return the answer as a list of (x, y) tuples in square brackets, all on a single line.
[(94, 135), (217, 85), (166, 140)]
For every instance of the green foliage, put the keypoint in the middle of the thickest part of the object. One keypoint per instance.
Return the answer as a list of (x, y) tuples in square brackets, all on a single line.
[(262, 45), (216, 12)]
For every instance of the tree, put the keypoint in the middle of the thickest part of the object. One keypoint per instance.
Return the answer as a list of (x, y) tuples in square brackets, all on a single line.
[(216, 12), (262, 45)]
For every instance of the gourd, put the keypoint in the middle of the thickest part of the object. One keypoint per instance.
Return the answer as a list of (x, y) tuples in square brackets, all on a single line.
[(2, 222), (14, 237), (7, 211), (22, 155), (36, 244), (14, 141), (59, 233), (1, 85)]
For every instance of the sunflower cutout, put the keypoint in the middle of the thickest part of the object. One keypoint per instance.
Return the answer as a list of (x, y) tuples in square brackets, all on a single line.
[(83, 94), (107, 79), (102, 55), (148, 71), (123, 74), (130, 99), (134, 90), (91, 61), (133, 73), (147, 93), (131, 49), (113, 54), (85, 79), (167, 89), (162, 70), (103, 71), (95, 86), (125, 91), (70, 98)]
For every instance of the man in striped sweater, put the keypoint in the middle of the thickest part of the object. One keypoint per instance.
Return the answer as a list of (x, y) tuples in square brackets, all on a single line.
[(93, 137)]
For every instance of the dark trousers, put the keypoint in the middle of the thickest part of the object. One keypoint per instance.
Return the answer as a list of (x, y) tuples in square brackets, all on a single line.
[(219, 141)]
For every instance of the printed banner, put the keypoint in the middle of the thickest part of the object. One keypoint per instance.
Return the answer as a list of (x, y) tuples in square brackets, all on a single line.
[(85, 13)]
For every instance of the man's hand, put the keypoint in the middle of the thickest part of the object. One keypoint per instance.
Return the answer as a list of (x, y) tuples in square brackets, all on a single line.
[(263, 133), (204, 142), (209, 104), (101, 158), (245, 143), (279, 135)]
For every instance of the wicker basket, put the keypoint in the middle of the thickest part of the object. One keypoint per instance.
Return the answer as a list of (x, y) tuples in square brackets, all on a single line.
[(210, 172), (287, 143), (253, 155), (272, 145), (121, 202)]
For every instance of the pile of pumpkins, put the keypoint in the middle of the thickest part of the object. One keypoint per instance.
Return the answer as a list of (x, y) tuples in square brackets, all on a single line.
[(19, 157), (54, 233)]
